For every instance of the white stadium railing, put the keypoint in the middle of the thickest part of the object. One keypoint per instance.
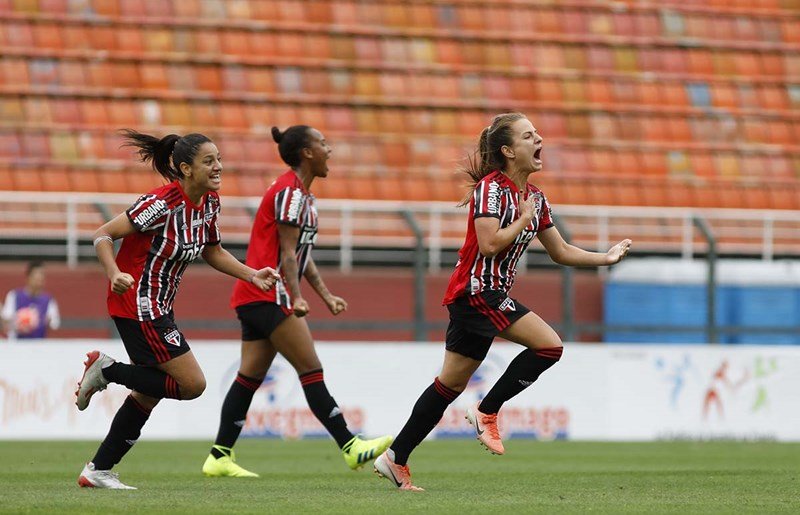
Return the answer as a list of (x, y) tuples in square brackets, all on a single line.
[(59, 225)]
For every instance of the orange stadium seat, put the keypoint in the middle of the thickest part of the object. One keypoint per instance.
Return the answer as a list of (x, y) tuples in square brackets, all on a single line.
[(680, 130), (53, 6), (780, 132), (600, 92), (773, 97), (66, 110), (626, 92), (6, 177), (674, 94), (37, 110), (48, 35), (703, 165), (650, 193), (756, 198), (27, 179), (10, 145), (772, 64), (779, 167), (578, 126), (18, 34), (727, 165), (653, 163), (724, 95), (629, 162), (56, 179), (33, 144), (132, 8), (574, 193), (157, 40)]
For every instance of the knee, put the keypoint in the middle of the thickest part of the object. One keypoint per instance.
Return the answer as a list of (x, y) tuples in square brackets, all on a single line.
[(553, 352), (306, 366), (193, 388), (145, 401), (457, 384), (256, 374)]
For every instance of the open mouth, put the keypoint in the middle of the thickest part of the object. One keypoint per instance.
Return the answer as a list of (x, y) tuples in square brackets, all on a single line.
[(537, 156), (216, 178)]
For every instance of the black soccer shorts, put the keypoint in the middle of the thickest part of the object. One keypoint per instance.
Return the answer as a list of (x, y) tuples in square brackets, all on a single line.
[(151, 342), (259, 319), (475, 321)]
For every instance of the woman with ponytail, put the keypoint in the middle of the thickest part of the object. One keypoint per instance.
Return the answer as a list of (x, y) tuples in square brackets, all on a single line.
[(162, 232), (283, 235), (505, 213)]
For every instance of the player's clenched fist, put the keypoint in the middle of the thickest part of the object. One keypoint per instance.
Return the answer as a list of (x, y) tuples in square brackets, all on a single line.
[(121, 282), (265, 278), (336, 304)]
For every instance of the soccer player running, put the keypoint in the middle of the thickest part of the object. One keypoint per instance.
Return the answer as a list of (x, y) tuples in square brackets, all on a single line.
[(505, 214), (283, 234), (162, 232)]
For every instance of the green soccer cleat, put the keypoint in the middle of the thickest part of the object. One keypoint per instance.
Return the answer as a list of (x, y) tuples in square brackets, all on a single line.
[(225, 466), (357, 452)]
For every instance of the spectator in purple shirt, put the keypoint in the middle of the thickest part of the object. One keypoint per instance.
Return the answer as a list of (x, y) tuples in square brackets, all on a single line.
[(28, 312)]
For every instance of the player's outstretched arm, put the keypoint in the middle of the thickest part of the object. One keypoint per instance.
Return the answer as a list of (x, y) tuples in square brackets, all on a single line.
[(222, 260), (565, 254), (335, 304)]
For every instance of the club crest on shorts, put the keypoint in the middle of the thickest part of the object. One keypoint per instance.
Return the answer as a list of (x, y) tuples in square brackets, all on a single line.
[(507, 305), (173, 338)]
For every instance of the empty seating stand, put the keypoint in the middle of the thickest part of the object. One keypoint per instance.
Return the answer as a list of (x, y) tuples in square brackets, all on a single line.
[(695, 104)]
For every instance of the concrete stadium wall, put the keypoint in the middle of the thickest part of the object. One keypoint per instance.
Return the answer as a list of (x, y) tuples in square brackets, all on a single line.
[(374, 295)]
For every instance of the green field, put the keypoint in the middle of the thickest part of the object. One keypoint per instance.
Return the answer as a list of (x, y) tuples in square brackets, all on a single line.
[(459, 476)]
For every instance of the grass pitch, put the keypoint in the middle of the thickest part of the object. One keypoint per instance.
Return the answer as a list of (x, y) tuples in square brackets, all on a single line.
[(459, 476)]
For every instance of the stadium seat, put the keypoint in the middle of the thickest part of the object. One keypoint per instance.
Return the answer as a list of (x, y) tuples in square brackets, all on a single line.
[(53, 6), (32, 144), (724, 95), (773, 97), (27, 179), (772, 63)]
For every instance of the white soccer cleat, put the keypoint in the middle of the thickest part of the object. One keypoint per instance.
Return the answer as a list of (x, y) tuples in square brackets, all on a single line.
[(92, 380), (91, 478)]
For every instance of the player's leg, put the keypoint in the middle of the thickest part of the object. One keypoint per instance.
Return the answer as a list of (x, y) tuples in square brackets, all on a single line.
[(164, 366), (181, 376), (427, 412), (122, 435), (257, 356), (543, 350), (166, 369), (293, 340)]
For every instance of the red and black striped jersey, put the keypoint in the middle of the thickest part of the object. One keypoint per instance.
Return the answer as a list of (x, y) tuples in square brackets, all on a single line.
[(286, 201), (171, 233), (497, 196)]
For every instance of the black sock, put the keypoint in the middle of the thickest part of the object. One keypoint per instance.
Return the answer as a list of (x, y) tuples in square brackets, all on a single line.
[(324, 406), (125, 430), (426, 414), (234, 412), (520, 374), (146, 380)]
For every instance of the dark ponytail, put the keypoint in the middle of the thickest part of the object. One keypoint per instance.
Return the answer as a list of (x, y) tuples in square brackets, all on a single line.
[(489, 155), (166, 154), (291, 142)]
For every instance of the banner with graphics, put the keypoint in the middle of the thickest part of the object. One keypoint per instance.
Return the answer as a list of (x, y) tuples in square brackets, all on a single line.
[(597, 392)]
